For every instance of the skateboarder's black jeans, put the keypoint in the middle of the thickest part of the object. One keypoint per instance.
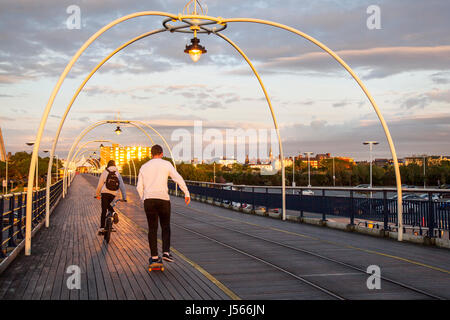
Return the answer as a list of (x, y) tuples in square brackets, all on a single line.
[(107, 198), (158, 209)]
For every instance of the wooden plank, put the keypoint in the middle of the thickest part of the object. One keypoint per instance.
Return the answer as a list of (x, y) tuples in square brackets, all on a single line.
[(89, 267), (114, 271), (56, 248), (185, 270)]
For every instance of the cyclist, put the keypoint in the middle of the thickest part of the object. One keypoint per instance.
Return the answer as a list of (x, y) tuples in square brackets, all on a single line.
[(109, 184), (153, 191)]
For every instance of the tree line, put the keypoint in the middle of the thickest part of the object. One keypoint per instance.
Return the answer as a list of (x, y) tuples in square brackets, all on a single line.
[(346, 174), (18, 167)]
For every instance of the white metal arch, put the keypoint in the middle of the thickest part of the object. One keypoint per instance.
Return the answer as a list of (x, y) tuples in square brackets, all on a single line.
[(219, 21), (102, 141), (99, 167), (135, 123)]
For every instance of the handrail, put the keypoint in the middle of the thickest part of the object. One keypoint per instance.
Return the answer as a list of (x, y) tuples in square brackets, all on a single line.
[(373, 189), (425, 214), (13, 217)]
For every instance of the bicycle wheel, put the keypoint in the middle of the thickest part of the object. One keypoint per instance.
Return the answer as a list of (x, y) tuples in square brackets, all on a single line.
[(108, 229)]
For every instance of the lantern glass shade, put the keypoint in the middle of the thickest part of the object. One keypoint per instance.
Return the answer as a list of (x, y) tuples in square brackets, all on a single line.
[(195, 50)]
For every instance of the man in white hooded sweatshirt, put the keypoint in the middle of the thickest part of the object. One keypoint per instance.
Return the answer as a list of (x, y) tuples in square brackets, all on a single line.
[(107, 196), (153, 190)]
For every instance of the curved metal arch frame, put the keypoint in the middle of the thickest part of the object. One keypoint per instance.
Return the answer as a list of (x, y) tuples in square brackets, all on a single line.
[(89, 129), (219, 20), (79, 148), (109, 141), (98, 167), (366, 92), (87, 160), (81, 153), (69, 174), (97, 164), (135, 123)]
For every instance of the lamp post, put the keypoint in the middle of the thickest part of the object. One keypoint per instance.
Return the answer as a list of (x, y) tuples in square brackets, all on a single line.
[(56, 169), (334, 175), (6, 174), (371, 144), (309, 167), (424, 174), (37, 165), (293, 173), (214, 167)]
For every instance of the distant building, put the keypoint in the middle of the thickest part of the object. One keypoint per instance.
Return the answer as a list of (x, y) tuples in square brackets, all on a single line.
[(382, 162), (227, 162), (321, 156), (413, 160), (437, 160), (429, 160), (123, 155), (347, 159), (312, 163)]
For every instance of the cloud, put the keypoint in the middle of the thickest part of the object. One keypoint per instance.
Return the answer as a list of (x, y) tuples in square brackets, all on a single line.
[(441, 77), (422, 100), (376, 62), (340, 104), (411, 134)]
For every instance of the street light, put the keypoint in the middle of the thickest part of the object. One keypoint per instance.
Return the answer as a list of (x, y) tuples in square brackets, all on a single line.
[(309, 167), (195, 50), (31, 143), (6, 174), (118, 131), (334, 174), (293, 173), (370, 143), (57, 160), (424, 174)]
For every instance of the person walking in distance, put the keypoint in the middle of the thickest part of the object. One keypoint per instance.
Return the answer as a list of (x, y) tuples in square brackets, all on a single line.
[(153, 191), (108, 186)]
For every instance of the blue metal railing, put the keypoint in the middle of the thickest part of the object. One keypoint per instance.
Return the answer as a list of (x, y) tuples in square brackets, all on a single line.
[(430, 215), (13, 215)]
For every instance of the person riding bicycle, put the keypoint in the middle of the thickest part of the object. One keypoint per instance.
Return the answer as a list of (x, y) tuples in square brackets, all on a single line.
[(109, 184)]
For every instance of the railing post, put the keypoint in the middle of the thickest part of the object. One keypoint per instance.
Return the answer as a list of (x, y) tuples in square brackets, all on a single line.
[(352, 209), (2, 210), (20, 223), (11, 242), (253, 198), (385, 211), (301, 203), (324, 206), (33, 213), (430, 215), (267, 200)]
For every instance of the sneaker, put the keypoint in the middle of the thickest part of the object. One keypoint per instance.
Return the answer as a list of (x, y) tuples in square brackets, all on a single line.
[(115, 218), (168, 257)]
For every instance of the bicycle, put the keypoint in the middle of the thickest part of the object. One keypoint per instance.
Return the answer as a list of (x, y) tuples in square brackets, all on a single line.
[(110, 220)]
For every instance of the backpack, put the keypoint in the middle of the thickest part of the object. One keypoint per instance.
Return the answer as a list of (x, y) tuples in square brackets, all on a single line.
[(112, 181)]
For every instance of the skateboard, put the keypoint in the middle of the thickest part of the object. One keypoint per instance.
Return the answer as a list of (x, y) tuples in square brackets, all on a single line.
[(156, 267)]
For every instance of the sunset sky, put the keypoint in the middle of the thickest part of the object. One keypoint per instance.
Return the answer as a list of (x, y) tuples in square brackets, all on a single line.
[(320, 108)]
